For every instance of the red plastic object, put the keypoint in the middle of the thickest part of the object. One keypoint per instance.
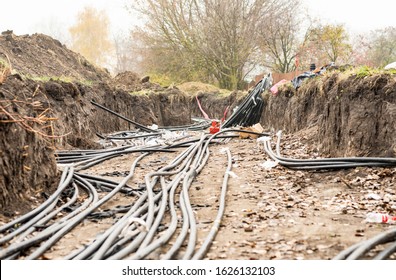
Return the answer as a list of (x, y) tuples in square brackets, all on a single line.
[(214, 128)]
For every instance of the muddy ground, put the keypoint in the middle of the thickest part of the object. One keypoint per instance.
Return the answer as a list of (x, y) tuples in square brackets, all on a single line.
[(270, 214)]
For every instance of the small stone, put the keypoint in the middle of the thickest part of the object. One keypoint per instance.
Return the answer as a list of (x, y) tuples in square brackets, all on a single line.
[(145, 79), (248, 228)]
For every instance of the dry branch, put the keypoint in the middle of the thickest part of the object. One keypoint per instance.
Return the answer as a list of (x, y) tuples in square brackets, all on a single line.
[(24, 122)]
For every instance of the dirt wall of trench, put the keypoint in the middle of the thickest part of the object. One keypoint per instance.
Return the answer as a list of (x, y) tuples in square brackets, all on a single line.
[(350, 115), (27, 164), (353, 116)]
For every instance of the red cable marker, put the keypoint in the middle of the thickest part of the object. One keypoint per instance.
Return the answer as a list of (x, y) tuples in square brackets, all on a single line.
[(215, 127)]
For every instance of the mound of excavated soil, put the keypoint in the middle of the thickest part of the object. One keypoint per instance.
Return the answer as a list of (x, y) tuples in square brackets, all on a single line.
[(197, 87), (40, 56), (131, 82)]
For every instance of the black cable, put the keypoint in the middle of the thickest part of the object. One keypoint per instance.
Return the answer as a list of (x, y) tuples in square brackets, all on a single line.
[(142, 127)]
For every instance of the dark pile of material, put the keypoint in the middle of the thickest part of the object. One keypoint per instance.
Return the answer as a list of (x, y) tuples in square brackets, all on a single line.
[(249, 111)]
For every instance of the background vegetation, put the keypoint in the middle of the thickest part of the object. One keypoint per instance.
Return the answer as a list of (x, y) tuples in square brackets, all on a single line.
[(225, 42)]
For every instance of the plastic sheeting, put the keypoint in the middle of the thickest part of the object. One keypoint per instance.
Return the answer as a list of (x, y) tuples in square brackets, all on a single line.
[(297, 81), (249, 111)]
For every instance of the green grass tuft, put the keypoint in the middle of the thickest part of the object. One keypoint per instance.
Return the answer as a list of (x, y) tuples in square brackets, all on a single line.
[(60, 79)]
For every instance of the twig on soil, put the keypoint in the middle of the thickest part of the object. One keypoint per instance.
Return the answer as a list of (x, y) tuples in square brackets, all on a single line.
[(346, 183)]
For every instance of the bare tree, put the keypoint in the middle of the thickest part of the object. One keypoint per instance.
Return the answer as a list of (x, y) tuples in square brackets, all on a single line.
[(212, 38), (158, 58), (279, 36), (127, 54)]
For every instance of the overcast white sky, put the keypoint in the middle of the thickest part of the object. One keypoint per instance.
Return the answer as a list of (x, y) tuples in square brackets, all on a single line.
[(358, 16), (31, 16)]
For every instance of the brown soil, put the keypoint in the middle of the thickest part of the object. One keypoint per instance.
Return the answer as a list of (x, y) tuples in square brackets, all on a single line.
[(194, 88), (22, 175), (354, 116), (68, 103), (270, 214), (40, 56)]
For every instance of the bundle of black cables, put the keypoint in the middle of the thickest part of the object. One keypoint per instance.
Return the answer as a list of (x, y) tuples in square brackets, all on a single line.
[(249, 111)]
